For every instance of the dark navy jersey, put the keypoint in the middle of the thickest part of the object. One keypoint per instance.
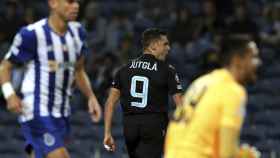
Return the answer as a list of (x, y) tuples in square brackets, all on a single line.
[(145, 84)]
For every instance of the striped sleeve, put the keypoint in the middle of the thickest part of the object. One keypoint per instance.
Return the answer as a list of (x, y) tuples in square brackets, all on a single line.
[(83, 37), (23, 48)]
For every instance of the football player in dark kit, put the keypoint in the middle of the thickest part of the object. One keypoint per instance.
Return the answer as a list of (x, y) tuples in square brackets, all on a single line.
[(143, 86)]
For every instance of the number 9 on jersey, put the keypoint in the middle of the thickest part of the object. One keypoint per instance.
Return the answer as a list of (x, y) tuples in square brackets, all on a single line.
[(143, 95)]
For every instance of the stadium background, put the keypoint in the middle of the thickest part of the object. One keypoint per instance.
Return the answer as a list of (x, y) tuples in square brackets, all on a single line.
[(196, 28)]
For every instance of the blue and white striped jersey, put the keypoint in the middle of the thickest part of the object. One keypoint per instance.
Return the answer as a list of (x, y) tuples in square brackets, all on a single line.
[(49, 61)]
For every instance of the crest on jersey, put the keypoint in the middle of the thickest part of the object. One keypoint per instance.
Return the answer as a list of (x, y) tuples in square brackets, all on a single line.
[(49, 139), (177, 78)]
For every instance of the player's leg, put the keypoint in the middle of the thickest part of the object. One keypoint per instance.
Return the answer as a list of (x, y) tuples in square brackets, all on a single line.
[(152, 136), (59, 153), (131, 134), (29, 151), (31, 155)]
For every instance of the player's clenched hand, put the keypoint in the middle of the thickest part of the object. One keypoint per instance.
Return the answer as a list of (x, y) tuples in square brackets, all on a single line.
[(109, 143), (14, 104), (94, 109), (247, 151)]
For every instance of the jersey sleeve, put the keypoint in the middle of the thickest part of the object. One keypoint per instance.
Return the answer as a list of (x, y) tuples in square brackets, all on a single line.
[(23, 48), (116, 83), (83, 37), (234, 109), (174, 84)]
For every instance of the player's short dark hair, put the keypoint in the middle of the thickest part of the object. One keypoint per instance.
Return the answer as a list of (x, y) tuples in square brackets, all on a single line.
[(151, 34), (231, 46)]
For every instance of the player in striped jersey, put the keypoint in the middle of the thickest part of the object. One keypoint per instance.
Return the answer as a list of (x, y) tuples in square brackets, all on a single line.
[(52, 51)]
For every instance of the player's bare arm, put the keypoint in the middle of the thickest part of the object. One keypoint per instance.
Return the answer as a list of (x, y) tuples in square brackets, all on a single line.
[(110, 105), (82, 81), (13, 101), (177, 98)]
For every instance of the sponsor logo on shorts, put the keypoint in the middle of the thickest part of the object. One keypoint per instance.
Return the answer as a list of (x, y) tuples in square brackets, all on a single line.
[(49, 139)]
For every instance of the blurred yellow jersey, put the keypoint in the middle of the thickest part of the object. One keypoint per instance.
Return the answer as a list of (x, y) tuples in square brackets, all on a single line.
[(212, 101)]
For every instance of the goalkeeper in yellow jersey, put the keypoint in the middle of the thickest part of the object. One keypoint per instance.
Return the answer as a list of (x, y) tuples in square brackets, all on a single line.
[(209, 122)]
